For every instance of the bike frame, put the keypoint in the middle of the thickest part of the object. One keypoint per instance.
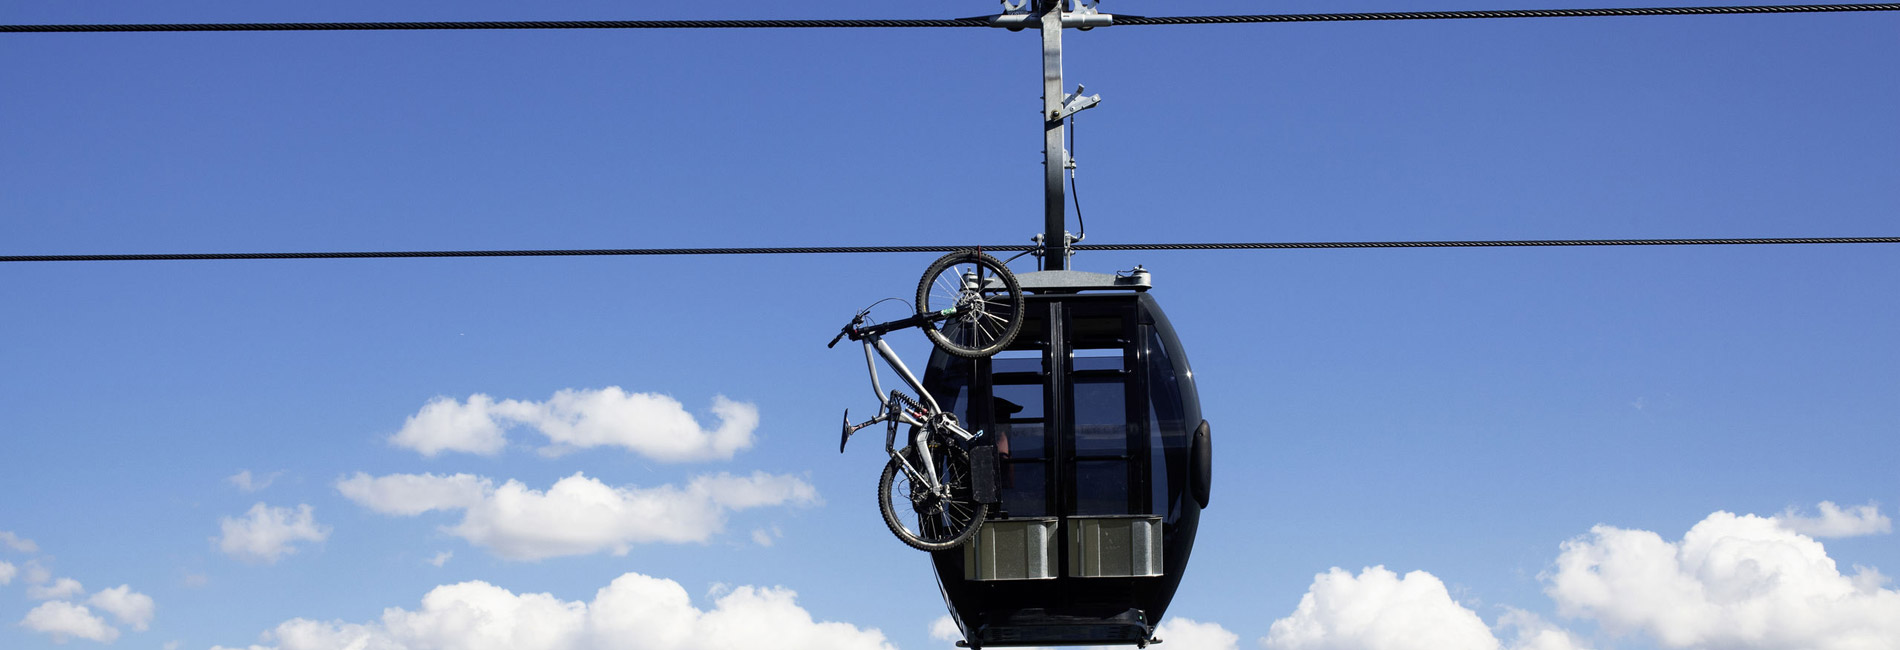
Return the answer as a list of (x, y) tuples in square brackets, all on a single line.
[(895, 412)]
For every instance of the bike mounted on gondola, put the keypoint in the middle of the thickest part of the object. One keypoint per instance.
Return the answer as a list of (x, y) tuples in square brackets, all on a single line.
[(969, 305)]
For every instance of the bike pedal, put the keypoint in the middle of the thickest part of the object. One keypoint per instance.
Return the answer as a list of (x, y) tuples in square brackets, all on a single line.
[(846, 437)]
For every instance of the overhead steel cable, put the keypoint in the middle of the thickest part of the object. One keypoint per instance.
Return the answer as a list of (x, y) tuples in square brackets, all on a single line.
[(496, 24), (980, 21), (822, 250), (1503, 13)]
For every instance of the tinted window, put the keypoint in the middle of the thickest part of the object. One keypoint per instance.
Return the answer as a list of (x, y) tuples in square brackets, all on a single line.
[(1101, 417), (1168, 438), (1101, 487)]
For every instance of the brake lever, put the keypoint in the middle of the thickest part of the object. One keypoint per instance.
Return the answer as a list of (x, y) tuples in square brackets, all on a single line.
[(855, 321)]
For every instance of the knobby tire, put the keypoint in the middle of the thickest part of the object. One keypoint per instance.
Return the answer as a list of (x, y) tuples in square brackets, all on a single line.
[(957, 462), (1007, 306)]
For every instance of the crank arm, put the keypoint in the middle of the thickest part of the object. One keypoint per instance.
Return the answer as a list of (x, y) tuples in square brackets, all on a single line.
[(850, 428)]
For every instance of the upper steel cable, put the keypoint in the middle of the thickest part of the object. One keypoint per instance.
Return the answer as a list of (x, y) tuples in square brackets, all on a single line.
[(982, 21), (807, 250), (494, 24)]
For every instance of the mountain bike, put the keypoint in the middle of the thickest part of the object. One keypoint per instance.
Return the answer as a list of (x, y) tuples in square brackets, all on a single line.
[(971, 306)]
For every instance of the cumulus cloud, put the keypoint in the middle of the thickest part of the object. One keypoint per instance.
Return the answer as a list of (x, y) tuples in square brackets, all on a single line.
[(267, 533), (1534, 633), (130, 607), (1378, 610), (37, 573), (1188, 634), (413, 494), (1731, 582), (7, 571), (17, 543), (658, 612), (447, 425), (63, 620), (945, 629), (61, 588), (577, 515), (247, 483), (1838, 522), (653, 425), (441, 558)]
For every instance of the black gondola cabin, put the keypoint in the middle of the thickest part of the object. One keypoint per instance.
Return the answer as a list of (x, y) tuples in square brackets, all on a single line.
[(1100, 466)]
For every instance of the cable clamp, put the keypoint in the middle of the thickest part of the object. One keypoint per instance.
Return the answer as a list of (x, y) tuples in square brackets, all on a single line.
[(1019, 15)]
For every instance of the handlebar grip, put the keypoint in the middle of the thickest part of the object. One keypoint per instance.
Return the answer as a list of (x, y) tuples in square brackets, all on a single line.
[(836, 339)]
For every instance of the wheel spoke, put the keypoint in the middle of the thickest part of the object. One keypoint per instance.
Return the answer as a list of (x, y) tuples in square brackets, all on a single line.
[(985, 330), (947, 290), (955, 331)]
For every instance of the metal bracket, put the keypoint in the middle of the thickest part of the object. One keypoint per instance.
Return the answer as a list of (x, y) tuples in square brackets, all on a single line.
[(1075, 102), (1018, 15), (1085, 17)]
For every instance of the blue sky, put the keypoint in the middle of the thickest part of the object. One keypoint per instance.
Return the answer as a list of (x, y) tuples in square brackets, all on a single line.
[(1508, 422)]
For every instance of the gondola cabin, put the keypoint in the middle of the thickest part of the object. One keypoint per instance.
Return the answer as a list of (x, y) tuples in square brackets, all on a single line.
[(1100, 466)]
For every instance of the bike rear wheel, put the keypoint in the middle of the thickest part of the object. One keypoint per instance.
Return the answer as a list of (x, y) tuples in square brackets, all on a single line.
[(986, 300), (927, 521)]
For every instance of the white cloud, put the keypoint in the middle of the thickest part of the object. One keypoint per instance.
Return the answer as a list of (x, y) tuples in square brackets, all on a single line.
[(1533, 633), (1188, 634), (1378, 610), (61, 588), (7, 571), (945, 629), (761, 537), (130, 607), (247, 483), (1836, 522), (15, 542), (1731, 582), (653, 425), (37, 573), (441, 558), (413, 494), (656, 612), (447, 425), (63, 620), (577, 515), (266, 534)]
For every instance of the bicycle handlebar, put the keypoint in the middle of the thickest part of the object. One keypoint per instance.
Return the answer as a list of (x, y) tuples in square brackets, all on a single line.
[(856, 333)]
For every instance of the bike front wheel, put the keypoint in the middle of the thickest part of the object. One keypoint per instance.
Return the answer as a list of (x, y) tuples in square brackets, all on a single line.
[(926, 520), (984, 301)]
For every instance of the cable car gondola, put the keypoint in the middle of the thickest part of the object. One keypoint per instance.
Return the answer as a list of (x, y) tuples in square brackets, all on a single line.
[(1101, 464)]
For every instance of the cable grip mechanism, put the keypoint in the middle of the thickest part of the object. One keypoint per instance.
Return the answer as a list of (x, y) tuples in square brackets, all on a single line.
[(1019, 14)]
